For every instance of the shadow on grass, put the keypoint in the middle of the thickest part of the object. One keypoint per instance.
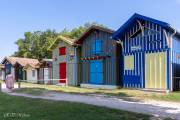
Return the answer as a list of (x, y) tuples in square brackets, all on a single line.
[(60, 110), (122, 95)]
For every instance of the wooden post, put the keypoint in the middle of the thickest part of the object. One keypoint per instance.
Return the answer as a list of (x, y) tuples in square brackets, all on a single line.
[(19, 84)]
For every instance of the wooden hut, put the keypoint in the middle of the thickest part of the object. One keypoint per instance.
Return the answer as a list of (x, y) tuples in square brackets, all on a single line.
[(29, 70), (151, 54), (64, 61), (98, 65), (16, 67), (2, 72), (45, 71)]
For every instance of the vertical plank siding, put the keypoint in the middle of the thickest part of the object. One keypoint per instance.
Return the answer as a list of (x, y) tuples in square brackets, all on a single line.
[(70, 64), (109, 62), (150, 40)]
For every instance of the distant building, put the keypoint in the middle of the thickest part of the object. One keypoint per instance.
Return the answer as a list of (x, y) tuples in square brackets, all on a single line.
[(45, 71), (25, 69), (2, 72)]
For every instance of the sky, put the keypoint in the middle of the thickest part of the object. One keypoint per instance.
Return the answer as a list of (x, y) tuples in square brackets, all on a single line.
[(19, 16)]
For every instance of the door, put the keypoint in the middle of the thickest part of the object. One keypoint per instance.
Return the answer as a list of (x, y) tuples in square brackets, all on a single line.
[(96, 72), (46, 74), (155, 70), (62, 73)]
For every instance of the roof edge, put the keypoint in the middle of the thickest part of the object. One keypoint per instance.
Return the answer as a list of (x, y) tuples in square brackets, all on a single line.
[(65, 39), (134, 16), (95, 27)]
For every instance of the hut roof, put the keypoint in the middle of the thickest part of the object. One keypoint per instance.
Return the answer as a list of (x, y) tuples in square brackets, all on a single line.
[(22, 61), (118, 34), (61, 38)]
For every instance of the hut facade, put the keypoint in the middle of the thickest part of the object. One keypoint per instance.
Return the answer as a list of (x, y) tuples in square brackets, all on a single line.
[(28, 70), (64, 61), (98, 65), (151, 54)]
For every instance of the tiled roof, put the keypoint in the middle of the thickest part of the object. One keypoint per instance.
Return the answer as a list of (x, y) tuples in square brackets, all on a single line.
[(23, 61)]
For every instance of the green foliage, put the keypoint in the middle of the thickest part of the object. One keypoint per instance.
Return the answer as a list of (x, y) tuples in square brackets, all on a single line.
[(77, 32), (36, 44)]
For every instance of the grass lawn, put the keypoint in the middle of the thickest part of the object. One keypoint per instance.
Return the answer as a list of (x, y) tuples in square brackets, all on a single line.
[(123, 93), (20, 108)]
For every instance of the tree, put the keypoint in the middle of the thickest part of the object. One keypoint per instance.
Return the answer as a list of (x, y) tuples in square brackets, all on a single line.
[(36, 44), (77, 32)]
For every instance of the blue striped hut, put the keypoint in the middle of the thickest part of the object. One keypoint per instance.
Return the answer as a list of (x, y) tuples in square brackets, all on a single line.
[(151, 54)]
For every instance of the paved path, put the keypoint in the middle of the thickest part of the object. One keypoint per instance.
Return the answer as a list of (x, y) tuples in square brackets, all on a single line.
[(155, 108)]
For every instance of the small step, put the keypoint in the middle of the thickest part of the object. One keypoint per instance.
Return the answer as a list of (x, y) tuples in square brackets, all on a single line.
[(156, 90)]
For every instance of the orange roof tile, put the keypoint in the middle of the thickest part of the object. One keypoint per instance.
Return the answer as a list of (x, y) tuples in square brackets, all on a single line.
[(23, 61)]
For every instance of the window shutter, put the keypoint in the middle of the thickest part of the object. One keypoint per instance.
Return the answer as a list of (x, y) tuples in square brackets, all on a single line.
[(62, 51)]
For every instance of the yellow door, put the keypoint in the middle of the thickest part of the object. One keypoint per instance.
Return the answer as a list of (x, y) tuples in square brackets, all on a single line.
[(155, 70)]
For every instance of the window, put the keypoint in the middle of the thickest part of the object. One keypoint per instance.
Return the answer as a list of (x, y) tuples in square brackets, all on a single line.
[(129, 62), (33, 73), (97, 47), (19, 71), (8, 69), (62, 51)]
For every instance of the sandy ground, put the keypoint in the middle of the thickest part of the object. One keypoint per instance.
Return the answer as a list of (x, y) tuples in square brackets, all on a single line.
[(159, 109)]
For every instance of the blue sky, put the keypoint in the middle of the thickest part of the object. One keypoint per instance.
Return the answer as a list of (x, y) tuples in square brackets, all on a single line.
[(19, 16)]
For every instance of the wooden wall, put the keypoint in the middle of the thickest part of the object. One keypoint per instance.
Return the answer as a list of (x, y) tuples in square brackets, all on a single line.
[(138, 43), (110, 75)]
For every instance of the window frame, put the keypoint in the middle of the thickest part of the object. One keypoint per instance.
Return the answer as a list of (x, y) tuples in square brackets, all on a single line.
[(129, 62)]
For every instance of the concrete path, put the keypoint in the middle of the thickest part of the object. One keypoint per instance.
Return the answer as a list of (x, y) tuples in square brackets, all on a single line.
[(156, 108)]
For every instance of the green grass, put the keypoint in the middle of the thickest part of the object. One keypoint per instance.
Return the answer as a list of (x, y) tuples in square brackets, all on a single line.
[(129, 94), (175, 96), (32, 91), (20, 108)]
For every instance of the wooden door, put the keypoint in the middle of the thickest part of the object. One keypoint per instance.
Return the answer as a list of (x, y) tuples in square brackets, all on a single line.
[(96, 72), (156, 70), (62, 73)]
